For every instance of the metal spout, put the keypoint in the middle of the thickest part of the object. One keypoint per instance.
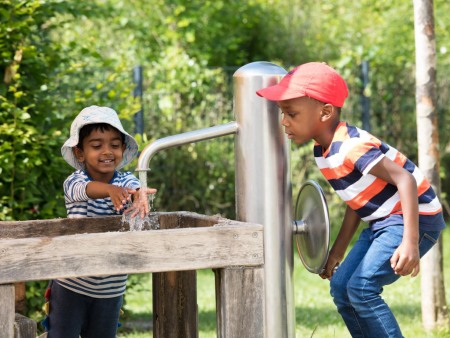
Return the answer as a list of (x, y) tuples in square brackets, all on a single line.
[(184, 138)]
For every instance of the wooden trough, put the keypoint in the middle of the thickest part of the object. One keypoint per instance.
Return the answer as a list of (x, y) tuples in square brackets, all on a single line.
[(185, 242)]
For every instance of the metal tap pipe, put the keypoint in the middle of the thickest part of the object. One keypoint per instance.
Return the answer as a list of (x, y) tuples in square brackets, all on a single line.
[(184, 138)]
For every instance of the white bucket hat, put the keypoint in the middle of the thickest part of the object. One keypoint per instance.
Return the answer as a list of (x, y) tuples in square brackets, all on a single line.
[(91, 115)]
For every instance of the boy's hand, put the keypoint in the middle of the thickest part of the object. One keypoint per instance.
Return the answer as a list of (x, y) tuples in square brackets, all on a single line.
[(119, 196), (330, 267), (406, 259), (140, 204)]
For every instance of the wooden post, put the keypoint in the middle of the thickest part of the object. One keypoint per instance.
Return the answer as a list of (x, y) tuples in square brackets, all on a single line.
[(24, 327), (240, 302), (175, 313), (7, 311)]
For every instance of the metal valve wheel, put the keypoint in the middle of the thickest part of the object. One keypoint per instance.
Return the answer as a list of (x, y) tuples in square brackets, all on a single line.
[(312, 227)]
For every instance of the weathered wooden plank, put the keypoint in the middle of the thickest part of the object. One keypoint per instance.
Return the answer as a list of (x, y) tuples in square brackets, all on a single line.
[(7, 311), (72, 226), (240, 302), (59, 227), (230, 243), (191, 220)]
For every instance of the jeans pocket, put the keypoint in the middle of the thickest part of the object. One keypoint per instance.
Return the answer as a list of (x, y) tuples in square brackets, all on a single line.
[(427, 240)]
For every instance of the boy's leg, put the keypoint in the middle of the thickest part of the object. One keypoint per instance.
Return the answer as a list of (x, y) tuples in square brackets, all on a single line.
[(372, 274), (366, 284), (67, 312), (103, 318), (340, 279)]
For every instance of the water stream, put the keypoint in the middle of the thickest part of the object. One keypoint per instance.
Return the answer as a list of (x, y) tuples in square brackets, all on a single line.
[(138, 223)]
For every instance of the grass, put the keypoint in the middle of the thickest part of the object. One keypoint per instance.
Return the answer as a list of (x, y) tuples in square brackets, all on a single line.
[(315, 313)]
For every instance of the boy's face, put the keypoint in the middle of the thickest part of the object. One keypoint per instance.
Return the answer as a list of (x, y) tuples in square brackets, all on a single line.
[(101, 154), (302, 118)]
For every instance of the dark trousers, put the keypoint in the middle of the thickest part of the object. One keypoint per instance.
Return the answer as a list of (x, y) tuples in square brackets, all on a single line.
[(73, 315)]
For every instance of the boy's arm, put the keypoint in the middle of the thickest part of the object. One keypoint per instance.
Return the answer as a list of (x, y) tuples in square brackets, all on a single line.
[(119, 196), (406, 257), (337, 252)]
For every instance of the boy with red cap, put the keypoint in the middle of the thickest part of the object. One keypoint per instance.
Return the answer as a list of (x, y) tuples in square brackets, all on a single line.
[(379, 185)]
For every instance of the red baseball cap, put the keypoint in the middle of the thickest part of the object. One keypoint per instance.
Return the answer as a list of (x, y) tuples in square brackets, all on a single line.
[(313, 79)]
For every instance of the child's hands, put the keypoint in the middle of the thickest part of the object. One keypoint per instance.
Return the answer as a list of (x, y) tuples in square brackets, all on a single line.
[(119, 196), (330, 267), (140, 204), (406, 259)]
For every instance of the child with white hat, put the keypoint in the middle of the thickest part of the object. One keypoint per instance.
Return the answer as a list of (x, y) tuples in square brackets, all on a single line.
[(97, 148)]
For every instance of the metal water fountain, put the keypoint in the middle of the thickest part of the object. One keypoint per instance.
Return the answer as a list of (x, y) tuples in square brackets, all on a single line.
[(263, 195)]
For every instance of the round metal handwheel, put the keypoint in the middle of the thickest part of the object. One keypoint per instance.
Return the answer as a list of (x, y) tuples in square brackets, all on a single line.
[(312, 227)]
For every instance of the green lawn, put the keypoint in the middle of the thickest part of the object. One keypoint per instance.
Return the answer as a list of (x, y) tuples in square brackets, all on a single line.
[(315, 312)]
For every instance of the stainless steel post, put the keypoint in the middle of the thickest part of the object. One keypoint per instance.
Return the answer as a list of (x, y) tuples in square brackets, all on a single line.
[(263, 189), (263, 195)]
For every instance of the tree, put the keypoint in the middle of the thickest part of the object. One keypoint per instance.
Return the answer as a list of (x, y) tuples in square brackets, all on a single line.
[(48, 74), (28, 137), (434, 308)]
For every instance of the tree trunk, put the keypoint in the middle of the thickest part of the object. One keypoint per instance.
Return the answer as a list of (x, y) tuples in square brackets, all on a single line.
[(20, 297), (434, 308)]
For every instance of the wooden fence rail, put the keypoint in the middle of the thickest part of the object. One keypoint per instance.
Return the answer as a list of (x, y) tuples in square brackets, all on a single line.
[(185, 242)]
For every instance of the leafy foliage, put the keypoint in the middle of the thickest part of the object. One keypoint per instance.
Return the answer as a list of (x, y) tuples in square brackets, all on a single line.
[(27, 166), (89, 49), (45, 83)]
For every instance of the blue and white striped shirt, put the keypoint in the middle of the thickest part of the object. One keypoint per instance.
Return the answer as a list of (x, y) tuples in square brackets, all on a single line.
[(78, 205)]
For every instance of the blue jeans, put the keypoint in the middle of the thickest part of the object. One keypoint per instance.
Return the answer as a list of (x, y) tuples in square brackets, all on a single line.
[(73, 315), (357, 284)]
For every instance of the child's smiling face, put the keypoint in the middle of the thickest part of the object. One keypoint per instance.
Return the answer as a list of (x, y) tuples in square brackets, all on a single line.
[(102, 151)]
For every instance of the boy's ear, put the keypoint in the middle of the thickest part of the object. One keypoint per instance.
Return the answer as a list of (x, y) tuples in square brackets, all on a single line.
[(327, 112), (79, 154)]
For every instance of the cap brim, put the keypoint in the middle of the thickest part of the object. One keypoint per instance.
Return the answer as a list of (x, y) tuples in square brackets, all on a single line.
[(279, 93)]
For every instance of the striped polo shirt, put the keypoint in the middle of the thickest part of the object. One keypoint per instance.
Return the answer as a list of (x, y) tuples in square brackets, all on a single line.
[(78, 205), (346, 164)]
